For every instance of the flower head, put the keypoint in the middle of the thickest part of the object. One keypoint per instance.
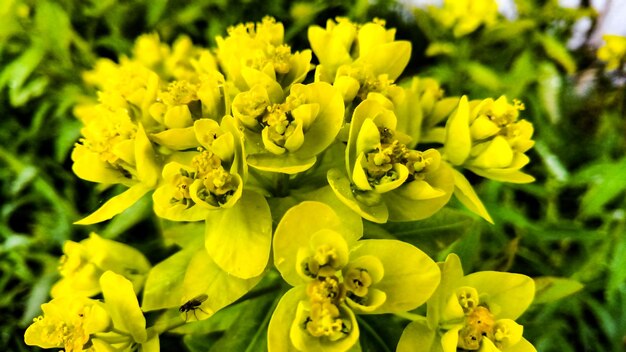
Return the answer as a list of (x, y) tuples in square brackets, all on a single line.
[(386, 178), (67, 322), (210, 178), (488, 138), (286, 135), (79, 323), (260, 48), (84, 262), (465, 16), (473, 312), (337, 276)]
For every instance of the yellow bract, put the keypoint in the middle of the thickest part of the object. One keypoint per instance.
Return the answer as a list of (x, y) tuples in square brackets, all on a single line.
[(84, 262), (465, 16), (613, 52)]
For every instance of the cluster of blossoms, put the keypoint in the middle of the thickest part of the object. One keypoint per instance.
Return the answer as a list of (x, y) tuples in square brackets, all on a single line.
[(249, 149)]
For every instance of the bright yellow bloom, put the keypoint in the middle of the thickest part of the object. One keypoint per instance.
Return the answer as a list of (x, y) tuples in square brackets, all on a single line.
[(488, 138), (465, 16), (286, 134), (84, 262), (259, 47), (114, 150), (67, 322), (385, 178), (210, 178), (475, 312), (82, 324), (613, 52), (358, 59), (335, 276)]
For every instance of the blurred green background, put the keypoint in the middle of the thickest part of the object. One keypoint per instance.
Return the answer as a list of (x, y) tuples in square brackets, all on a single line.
[(570, 224)]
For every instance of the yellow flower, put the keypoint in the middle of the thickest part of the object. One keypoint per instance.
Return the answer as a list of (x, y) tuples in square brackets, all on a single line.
[(613, 52), (286, 134), (210, 178), (79, 323), (488, 138), (114, 150), (336, 276), (376, 63), (67, 322), (259, 47), (84, 262), (387, 180), (465, 16), (473, 312)]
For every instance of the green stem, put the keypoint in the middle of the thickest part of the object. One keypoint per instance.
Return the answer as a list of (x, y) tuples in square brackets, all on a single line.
[(410, 316), (281, 185)]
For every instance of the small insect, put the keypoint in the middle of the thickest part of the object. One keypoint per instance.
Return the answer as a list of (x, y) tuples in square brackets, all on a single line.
[(193, 305)]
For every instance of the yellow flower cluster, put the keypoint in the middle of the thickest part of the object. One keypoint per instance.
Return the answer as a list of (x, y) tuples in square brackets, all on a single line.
[(227, 140)]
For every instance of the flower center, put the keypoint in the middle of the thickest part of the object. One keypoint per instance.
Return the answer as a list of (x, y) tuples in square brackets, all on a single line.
[(357, 282), (183, 181), (218, 184), (379, 163), (279, 122), (324, 320), (179, 93), (326, 289), (323, 263), (479, 323), (279, 56)]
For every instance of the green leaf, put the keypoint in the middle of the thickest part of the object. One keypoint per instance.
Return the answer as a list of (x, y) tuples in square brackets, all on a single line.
[(115, 205), (286, 163), (184, 234), (34, 88), (617, 269), (549, 90), (483, 75), (204, 276), (53, 25), (557, 51), (155, 9), (201, 342), (249, 332), (608, 183), (164, 285), (550, 289), (16, 73), (220, 321)]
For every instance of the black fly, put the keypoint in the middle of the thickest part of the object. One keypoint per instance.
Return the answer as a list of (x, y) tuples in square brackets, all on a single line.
[(193, 305)]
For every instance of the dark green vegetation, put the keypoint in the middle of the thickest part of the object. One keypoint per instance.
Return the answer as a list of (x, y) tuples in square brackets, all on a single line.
[(570, 224)]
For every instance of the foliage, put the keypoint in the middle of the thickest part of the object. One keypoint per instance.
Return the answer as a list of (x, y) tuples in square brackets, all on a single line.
[(566, 230)]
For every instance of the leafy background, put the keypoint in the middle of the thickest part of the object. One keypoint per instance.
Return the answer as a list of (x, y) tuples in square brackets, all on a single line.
[(567, 229)]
